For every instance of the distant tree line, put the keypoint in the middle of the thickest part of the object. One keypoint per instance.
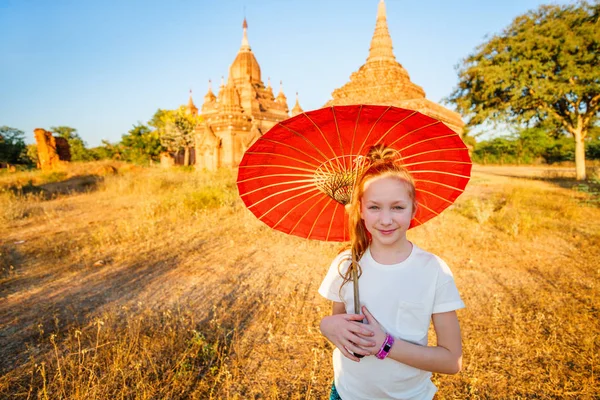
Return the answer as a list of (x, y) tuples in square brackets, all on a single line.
[(167, 131), (532, 146)]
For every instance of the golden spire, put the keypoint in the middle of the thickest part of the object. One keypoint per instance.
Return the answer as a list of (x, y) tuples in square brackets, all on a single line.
[(192, 109), (281, 97), (210, 96), (245, 43), (297, 109), (381, 43)]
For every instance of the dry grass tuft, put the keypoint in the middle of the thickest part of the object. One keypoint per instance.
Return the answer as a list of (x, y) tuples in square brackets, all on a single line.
[(160, 284)]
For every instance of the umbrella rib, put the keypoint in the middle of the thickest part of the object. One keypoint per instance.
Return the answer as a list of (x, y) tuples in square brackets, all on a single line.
[(319, 216), (436, 161), (428, 209), (288, 199), (263, 153), (337, 129), (441, 184), (427, 140), (416, 219), (371, 130), (395, 125), (434, 151), (278, 166), (305, 139), (325, 139), (275, 194), (293, 208), (279, 184), (329, 230), (305, 214), (433, 194), (276, 176), (413, 131), (291, 147), (355, 128), (432, 171)]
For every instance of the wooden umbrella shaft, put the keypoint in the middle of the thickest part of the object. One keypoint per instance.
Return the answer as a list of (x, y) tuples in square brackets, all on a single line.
[(356, 298), (355, 284)]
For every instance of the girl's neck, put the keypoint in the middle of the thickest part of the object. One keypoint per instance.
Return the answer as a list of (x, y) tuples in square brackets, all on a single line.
[(389, 255)]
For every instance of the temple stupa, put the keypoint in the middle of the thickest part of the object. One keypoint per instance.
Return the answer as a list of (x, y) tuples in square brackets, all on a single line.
[(383, 81), (243, 110)]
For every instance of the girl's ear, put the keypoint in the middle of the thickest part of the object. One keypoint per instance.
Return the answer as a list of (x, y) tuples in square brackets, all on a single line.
[(414, 210)]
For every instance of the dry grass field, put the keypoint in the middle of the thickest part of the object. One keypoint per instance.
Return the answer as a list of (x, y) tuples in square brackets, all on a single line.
[(153, 284)]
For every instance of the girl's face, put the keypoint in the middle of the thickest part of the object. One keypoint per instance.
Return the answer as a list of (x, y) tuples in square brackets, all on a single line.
[(386, 209)]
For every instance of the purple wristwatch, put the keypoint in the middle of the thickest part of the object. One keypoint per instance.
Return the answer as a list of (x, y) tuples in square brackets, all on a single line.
[(385, 347)]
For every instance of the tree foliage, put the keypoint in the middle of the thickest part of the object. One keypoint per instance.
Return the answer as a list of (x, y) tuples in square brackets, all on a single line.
[(141, 144), (107, 151), (542, 69), (531, 146), (78, 148), (176, 129), (12, 145)]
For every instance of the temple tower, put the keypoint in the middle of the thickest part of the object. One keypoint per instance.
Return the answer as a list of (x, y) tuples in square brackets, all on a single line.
[(383, 81), (242, 111)]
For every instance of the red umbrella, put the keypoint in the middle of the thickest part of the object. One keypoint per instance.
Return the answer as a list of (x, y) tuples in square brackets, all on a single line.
[(298, 176)]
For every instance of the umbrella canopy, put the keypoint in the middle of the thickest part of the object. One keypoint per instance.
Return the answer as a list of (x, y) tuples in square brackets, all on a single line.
[(298, 176)]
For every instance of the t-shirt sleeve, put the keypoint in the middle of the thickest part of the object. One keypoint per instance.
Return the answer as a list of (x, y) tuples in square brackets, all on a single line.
[(447, 297), (330, 287)]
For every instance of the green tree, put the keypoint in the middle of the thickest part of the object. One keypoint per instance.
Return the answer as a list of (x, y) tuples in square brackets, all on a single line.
[(78, 148), (497, 150), (32, 154), (141, 144), (157, 121), (531, 143), (12, 145), (543, 68), (106, 151), (177, 130)]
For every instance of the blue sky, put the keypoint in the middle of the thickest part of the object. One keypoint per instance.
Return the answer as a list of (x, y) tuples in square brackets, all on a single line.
[(101, 66)]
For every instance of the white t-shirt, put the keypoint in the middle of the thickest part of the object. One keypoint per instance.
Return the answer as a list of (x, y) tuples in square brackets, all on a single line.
[(402, 297)]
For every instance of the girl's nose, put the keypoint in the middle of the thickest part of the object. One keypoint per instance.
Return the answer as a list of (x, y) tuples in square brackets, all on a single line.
[(385, 217)]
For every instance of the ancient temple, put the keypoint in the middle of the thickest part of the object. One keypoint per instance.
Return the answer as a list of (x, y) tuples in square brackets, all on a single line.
[(243, 110), (382, 80)]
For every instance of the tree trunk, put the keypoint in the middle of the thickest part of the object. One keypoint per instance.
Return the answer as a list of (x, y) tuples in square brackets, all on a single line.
[(186, 156), (579, 154)]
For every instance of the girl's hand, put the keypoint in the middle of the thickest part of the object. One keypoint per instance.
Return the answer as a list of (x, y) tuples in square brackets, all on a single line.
[(378, 336), (348, 334)]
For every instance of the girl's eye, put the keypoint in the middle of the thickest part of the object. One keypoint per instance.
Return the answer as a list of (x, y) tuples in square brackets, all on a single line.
[(398, 208), (373, 208)]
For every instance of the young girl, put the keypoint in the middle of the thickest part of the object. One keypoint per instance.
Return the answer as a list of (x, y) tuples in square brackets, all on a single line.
[(402, 288)]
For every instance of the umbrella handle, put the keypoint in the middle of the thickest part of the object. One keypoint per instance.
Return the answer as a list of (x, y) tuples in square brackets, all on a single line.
[(356, 297), (355, 284)]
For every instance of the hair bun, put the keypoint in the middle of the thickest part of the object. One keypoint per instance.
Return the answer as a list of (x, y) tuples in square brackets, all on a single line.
[(380, 153)]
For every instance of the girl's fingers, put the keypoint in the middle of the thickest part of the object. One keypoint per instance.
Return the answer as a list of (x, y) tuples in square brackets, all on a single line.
[(351, 346), (362, 329), (369, 316), (347, 354), (355, 340), (359, 337), (354, 317)]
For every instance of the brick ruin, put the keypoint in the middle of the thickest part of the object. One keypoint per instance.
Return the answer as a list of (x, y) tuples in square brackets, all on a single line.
[(51, 150)]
